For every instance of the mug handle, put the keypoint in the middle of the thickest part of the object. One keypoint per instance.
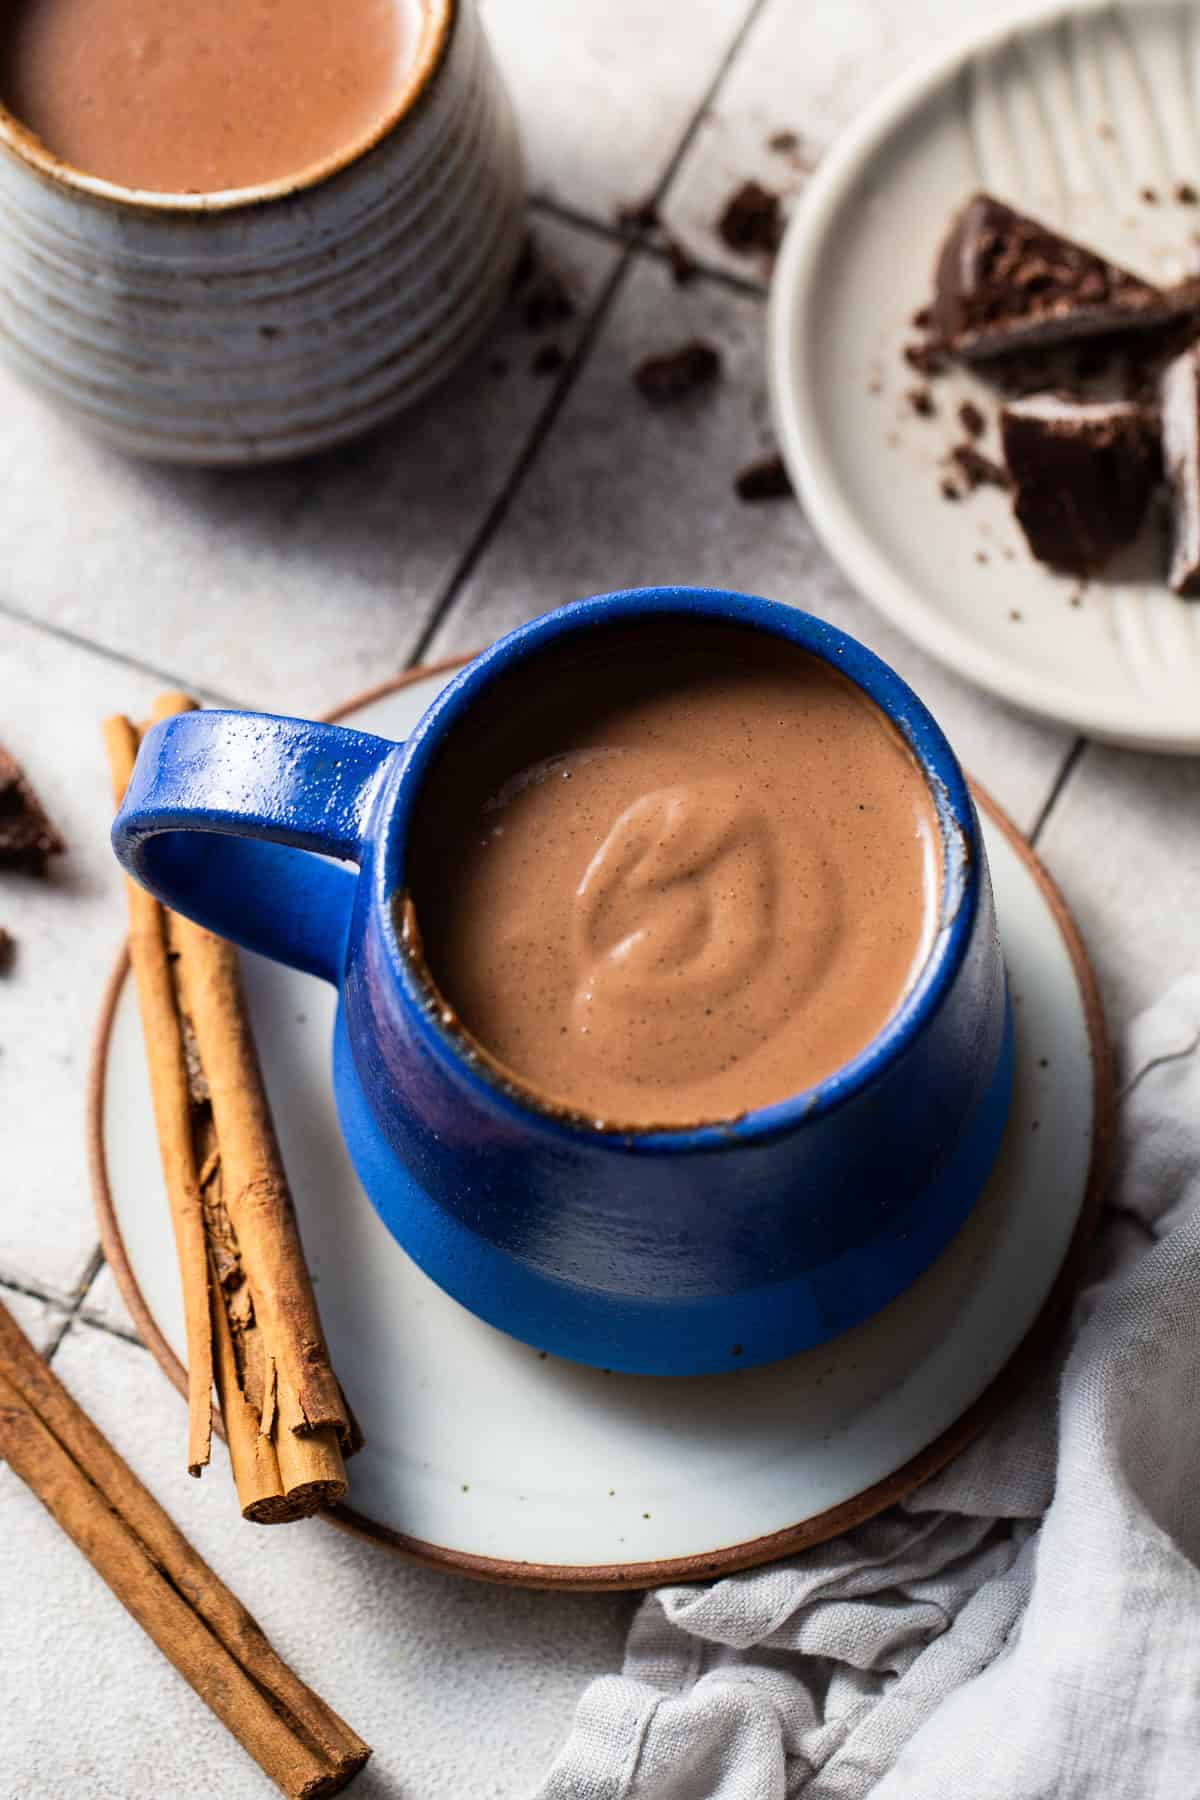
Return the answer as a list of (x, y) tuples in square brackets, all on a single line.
[(221, 808)]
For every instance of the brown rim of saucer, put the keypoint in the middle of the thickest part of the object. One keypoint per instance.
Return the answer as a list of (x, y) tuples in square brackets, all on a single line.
[(727, 1561), (438, 21)]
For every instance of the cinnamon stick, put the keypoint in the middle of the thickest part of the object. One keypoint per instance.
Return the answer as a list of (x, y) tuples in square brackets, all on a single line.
[(204, 1630), (172, 1114), (248, 1296)]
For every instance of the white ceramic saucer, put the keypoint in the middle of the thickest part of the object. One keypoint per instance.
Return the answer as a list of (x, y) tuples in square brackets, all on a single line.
[(487, 1457), (1071, 116)]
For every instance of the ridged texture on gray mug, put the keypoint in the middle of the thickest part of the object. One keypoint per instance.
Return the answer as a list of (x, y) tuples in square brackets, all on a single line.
[(234, 334)]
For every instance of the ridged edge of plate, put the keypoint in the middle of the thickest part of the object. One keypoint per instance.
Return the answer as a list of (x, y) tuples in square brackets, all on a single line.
[(825, 502)]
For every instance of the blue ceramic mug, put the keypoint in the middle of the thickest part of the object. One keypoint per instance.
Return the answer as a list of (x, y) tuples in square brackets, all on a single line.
[(663, 1252)]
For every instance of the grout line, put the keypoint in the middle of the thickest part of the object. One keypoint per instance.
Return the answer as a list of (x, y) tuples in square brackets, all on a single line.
[(94, 1266), (1069, 765), (614, 234), (486, 531), (742, 285), (545, 420), (122, 1333), (72, 1310), (169, 678), (47, 1297), (564, 214), (732, 51)]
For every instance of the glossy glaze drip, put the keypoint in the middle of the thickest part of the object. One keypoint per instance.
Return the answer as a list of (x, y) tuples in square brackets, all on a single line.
[(686, 873), (196, 96)]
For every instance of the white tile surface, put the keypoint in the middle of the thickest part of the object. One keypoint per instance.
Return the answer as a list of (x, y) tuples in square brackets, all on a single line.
[(289, 588), (68, 930), (1124, 843), (605, 89), (808, 69), (40, 1320), (461, 1689), (602, 508)]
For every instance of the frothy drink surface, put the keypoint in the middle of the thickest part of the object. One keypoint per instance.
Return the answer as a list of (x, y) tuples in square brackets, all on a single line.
[(675, 873), (192, 96)]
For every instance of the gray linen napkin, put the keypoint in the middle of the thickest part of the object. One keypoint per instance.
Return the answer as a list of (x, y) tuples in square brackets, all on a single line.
[(1025, 1625)]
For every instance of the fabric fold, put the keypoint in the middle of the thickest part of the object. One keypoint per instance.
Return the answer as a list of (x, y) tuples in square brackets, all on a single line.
[(1027, 1624)]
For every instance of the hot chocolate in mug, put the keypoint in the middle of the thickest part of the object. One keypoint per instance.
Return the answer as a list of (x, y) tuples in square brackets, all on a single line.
[(637, 1235), (239, 233)]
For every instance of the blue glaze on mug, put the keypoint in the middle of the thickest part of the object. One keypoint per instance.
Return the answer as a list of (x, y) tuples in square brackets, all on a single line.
[(665, 1252)]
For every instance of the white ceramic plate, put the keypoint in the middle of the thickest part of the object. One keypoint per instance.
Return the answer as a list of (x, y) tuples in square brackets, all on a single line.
[(1069, 116), (489, 1457)]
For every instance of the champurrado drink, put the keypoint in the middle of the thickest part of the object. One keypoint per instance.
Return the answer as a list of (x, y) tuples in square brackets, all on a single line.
[(196, 96), (673, 871)]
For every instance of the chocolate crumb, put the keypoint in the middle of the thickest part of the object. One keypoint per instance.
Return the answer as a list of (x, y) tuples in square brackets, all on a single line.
[(927, 359), (548, 360), (949, 491), (875, 385), (1015, 615), (676, 373), (27, 838), (526, 263), (976, 469), (638, 215), (922, 319), (7, 947), (921, 401), (547, 302), (981, 556), (784, 143), (1186, 194), (971, 419), (683, 265), (766, 479), (751, 220), (1149, 195)]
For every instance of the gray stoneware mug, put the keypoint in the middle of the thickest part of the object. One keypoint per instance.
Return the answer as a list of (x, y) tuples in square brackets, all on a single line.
[(197, 328)]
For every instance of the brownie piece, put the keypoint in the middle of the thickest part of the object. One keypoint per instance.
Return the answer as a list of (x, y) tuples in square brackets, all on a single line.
[(688, 370), (1082, 474), (751, 220), (1005, 282), (971, 419), (27, 838), (683, 264), (976, 469), (638, 215), (766, 479), (1180, 412)]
